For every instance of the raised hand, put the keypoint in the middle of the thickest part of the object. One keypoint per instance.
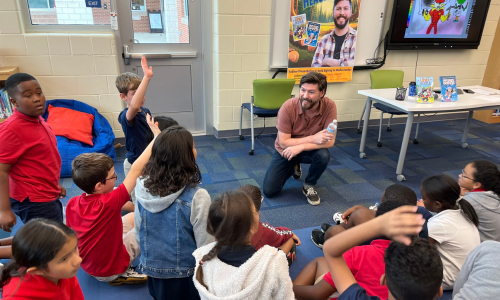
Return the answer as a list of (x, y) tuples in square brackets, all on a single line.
[(400, 222), (153, 125), (148, 71)]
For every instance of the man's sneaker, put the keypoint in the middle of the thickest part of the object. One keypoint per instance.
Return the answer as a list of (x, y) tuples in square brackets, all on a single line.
[(130, 277), (324, 227), (337, 218), (312, 196), (297, 172), (318, 238)]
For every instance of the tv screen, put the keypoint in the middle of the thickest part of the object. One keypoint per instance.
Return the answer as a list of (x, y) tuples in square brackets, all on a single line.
[(437, 24)]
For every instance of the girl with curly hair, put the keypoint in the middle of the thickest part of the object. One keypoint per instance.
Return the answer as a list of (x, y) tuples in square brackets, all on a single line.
[(171, 215)]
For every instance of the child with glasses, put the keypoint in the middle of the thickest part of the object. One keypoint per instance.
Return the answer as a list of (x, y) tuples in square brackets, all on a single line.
[(106, 240), (481, 181)]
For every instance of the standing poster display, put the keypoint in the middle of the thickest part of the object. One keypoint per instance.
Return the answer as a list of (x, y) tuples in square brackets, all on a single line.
[(322, 38)]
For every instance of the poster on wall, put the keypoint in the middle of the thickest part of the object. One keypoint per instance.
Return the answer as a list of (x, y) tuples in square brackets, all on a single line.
[(322, 38)]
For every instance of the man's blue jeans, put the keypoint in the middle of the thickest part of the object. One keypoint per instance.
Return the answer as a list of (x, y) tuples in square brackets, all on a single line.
[(280, 169)]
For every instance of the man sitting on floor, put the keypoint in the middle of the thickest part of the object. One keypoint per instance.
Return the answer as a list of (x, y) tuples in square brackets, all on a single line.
[(302, 138)]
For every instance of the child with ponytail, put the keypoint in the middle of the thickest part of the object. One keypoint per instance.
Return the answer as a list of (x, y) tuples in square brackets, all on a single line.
[(454, 228), (45, 263), (232, 268), (481, 179)]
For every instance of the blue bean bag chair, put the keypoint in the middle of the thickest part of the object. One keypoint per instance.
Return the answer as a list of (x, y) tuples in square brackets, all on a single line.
[(102, 135)]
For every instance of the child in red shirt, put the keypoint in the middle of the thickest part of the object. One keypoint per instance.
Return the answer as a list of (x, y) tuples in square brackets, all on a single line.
[(278, 237), (107, 241), (30, 164), (49, 274)]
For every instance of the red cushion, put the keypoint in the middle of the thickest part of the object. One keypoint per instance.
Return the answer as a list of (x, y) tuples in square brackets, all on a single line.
[(72, 124)]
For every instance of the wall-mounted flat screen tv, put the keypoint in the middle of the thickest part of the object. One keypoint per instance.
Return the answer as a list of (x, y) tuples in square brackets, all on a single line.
[(437, 24)]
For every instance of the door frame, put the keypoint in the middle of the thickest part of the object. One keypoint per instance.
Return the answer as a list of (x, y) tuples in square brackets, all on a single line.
[(206, 60)]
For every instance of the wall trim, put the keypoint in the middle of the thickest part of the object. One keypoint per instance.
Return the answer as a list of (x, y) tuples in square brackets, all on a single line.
[(344, 125)]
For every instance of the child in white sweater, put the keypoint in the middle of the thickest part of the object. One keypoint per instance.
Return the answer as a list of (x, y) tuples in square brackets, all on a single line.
[(232, 268)]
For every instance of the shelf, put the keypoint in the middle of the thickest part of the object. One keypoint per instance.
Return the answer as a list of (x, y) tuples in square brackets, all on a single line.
[(5, 72)]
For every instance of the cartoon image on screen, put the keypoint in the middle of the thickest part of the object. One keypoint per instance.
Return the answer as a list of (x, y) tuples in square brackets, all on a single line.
[(439, 18)]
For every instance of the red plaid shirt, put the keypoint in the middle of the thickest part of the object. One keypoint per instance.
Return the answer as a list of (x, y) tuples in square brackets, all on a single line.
[(326, 49)]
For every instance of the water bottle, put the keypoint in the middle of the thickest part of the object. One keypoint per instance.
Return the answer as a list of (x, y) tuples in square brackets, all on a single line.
[(332, 127)]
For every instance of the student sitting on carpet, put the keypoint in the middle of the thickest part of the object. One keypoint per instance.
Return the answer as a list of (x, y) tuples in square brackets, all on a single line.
[(413, 269), (278, 237), (45, 263), (482, 181), (359, 214), (171, 215), (107, 241), (365, 262), (232, 268), (163, 123), (454, 228)]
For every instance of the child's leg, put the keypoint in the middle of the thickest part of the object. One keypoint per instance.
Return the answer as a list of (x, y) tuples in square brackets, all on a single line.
[(6, 248), (173, 288), (316, 268), (129, 240), (309, 283), (359, 216), (128, 207)]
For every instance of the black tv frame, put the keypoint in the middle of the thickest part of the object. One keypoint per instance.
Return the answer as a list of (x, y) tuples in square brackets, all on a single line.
[(438, 43)]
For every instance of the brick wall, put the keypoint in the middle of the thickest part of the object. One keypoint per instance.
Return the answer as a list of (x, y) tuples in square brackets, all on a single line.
[(241, 54), (74, 12), (101, 16), (183, 28), (44, 17), (68, 66), (142, 25)]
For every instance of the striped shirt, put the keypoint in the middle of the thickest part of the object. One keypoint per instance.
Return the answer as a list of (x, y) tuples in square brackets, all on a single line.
[(326, 49)]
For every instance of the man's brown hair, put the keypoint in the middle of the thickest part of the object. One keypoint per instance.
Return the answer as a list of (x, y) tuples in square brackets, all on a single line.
[(254, 193), (315, 78), (88, 169), (127, 81)]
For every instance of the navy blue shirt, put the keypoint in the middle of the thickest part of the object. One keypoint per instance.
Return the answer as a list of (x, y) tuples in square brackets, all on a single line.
[(355, 292), (135, 135), (236, 257), (424, 233)]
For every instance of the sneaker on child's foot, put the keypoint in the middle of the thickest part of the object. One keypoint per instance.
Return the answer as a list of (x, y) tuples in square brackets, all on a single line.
[(297, 172), (130, 277), (324, 227), (312, 195), (318, 238), (337, 218)]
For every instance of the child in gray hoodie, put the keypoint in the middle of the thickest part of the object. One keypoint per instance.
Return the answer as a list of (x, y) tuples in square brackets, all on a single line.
[(171, 215), (481, 181)]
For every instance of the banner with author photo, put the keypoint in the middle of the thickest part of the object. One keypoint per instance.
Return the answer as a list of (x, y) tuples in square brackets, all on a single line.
[(322, 38)]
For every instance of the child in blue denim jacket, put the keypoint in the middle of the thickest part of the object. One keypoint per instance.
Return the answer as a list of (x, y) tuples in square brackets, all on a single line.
[(171, 215)]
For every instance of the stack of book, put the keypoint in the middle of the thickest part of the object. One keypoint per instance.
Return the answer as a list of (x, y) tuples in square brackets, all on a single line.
[(5, 105)]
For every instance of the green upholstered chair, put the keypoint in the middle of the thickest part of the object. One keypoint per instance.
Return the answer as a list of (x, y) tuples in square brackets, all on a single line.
[(385, 79), (268, 97)]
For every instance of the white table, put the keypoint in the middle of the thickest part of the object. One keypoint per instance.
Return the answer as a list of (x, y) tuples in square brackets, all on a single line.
[(466, 102)]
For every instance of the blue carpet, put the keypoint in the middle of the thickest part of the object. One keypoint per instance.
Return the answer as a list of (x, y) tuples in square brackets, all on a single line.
[(348, 180)]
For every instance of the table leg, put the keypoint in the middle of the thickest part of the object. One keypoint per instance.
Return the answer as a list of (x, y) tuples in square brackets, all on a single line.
[(404, 147), (466, 130), (368, 109)]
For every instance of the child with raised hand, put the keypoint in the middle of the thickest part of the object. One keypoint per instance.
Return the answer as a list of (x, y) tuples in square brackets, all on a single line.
[(171, 215), (413, 269), (278, 237), (163, 123), (454, 228), (30, 165), (133, 118), (232, 268), (107, 241), (45, 263), (481, 180)]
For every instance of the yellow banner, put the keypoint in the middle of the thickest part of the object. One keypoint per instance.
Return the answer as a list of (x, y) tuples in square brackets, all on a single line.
[(333, 74)]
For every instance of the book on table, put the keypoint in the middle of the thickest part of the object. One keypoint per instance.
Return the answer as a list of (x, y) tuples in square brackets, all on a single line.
[(424, 90), (448, 88)]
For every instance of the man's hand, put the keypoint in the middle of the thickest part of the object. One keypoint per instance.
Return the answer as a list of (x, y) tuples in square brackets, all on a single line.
[(62, 193), (292, 151), (153, 125), (322, 137), (400, 222), (7, 220), (148, 72), (330, 62), (296, 239)]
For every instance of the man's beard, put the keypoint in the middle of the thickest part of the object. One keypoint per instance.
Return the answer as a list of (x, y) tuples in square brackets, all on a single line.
[(341, 26), (302, 100)]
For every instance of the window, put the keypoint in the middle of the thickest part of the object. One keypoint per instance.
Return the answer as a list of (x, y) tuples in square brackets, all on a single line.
[(138, 5), (65, 12), (186, 8), (41, 3)]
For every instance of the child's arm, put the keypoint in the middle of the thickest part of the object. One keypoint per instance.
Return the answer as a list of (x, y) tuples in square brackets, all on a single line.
[(287, 246), (7, 217), (136, 103), (396, 223), (138, 165)]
